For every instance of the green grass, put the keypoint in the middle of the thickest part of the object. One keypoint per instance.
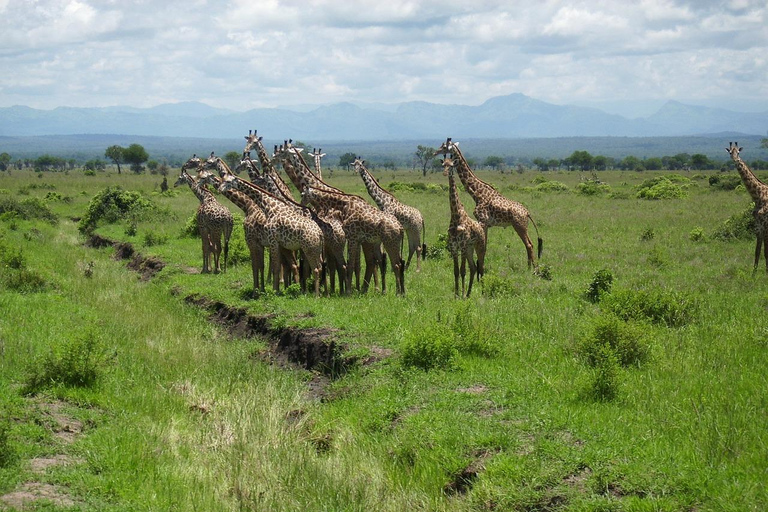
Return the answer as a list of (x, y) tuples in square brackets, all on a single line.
[(179, 416)]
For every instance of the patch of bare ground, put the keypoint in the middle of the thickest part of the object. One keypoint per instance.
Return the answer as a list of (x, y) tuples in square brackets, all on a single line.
[(146, 266), (32, 493), (461, 482), (64, 427), (40, 465)]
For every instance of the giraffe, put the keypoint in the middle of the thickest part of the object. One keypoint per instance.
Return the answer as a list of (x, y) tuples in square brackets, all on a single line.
[(465, 237), (408, 216), (268, 169), (317, 155), (759, 192), (213, 218), (253, 225), (363, 223), (492, 208), (329, 222), (284, 226)]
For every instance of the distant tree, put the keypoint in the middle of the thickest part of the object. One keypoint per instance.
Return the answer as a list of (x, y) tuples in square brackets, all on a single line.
[(116, 154), (632, 163), (699, 162), (389, 165), (600, 162), (347, 159), (493, 161), (581, 159), (94, 165), (424, 155), (653, 163), (764, 143), (232, 158), (553, 163), (152, 165), (135, 154), (541, 163), (5, 161), (162, 170), (48, 162)]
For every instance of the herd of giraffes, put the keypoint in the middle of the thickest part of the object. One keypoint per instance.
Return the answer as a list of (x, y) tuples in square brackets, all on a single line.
[(328, 220)]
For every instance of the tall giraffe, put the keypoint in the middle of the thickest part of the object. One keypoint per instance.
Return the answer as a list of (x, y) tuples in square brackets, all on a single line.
[(267, 167), (284, 226), (363, 223), (410, 218), (253, 225), (492, 208), (465, 237), (317, 155), (759, 192), (213, 218)]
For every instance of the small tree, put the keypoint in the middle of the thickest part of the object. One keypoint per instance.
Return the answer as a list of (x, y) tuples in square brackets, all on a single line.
[(346, 159), (152, 165), (116, 154), (424, 155), (136, 155), (5, 160), (494, 162), (232, 158)]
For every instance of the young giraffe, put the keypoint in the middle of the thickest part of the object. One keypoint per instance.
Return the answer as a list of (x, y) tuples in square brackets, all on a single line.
[(363, 223), (410, 218), (492, 208), (213, 218), (759, 192), (465, 237), (253, 225), (317, 155), (285, 227)]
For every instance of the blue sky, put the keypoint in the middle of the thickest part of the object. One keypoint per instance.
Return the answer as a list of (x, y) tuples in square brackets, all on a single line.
[(625, 57)]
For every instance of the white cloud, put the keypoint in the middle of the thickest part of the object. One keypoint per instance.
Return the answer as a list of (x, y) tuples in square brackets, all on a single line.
[(243, 53)]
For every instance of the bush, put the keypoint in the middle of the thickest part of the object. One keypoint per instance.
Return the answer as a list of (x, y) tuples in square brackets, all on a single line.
[(473, 336), (592, 188), (76, 363), (551, 186), (662, 187), (724, 181), (433, 346), (600, 285), (151, 238), (544, 272), (606, 376), (740, 226), (27, 209), (439, 249), (494, 286), (625, 339), (647, 235), (190, 228), (14, 274), (238, 249), (113, 204), (673, 309), (696, 234)]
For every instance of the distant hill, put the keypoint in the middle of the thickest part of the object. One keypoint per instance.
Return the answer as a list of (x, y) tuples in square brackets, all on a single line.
[(511, 116)]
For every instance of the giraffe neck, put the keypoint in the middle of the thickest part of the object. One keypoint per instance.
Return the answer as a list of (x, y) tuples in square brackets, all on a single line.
[(266, 201), (202, 193), (266, 163), (327, 200), (297, 178), (756, 188), (457, 209), (240, 200), (476, 187), (318, 170), (382, 197)]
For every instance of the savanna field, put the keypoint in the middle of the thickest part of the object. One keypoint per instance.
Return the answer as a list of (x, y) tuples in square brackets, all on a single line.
[(629, 373)]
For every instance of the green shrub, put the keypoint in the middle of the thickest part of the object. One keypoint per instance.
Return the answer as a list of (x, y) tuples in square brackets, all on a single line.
[(673, 309), (627, 340), (190, 228), (473, 336), (647, 235), (740, 226), (494, 286), (600, 285), (439, 249), (14, 274), (238, 249), (551, 186), (113, 204), (27, 209), (433, 346), (293, 291), (662, 187), (724, 181), (76, 363), (606, 376), (696, 234), (544, 272), (592, 188), (151, 239)]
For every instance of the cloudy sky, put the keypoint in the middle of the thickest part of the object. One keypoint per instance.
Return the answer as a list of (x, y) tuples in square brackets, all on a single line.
[(624, 56)]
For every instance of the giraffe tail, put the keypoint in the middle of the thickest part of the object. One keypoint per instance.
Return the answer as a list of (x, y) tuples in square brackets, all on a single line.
[(540, 241), (423, 237)]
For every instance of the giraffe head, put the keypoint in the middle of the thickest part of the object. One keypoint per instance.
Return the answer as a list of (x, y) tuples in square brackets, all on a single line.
[(733, 149), (448, 166), (249, 165), (251, 140), (192, 163), (206, 177), (216, 163), (447, 147), (228, 182), (359, 164)]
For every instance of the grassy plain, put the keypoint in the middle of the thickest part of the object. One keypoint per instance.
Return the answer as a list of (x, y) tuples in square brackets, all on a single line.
[(182, 416)]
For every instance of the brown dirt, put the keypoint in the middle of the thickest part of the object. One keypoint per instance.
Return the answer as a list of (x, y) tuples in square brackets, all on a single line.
[(32, 492), (65, 427), (147, 266), (41, 464), (463, 481)]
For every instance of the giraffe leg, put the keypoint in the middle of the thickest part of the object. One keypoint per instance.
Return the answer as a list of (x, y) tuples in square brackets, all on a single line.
[(398, 266), (352, 264), (275, 262), (463, 272), (757, 252), (206, 250), (456, 275), (522, 232), (472, 269), (216, 250)]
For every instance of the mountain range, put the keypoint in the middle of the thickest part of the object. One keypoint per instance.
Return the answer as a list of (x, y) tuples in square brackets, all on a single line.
[(511, 116)]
